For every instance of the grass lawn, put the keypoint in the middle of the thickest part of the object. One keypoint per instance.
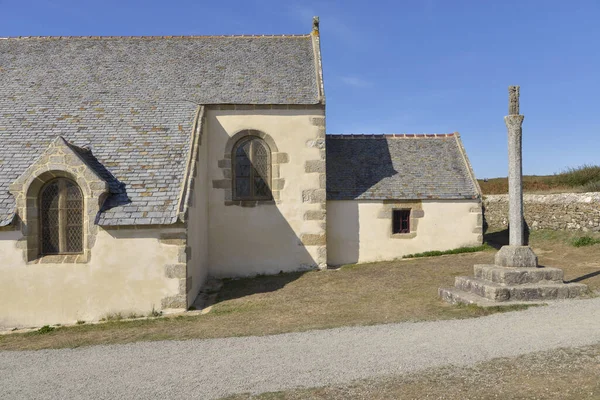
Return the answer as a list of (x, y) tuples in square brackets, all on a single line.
[(565, 374), (384, 292)]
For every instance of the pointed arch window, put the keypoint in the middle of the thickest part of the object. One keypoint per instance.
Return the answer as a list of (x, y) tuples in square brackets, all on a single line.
[(252, 170), (61, 217)]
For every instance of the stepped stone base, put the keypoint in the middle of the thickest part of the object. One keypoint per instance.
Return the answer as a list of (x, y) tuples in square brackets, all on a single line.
[(456, 296), (495, 285), (517, 276)]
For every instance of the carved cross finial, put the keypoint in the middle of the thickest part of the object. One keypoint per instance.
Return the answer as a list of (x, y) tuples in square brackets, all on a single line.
[(513, 100), (315, 24)]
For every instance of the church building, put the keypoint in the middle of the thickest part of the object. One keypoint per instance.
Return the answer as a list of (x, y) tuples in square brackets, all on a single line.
[(133, 168)]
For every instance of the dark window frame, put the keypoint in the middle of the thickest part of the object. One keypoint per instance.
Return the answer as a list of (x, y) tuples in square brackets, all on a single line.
[(254, 141), (401, 221), (62, 223)]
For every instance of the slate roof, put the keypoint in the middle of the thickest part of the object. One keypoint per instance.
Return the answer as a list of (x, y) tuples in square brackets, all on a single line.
[(133, 101), (402, 167)]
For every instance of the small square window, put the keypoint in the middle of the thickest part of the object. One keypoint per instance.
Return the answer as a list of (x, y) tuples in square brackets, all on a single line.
[(400, 221)]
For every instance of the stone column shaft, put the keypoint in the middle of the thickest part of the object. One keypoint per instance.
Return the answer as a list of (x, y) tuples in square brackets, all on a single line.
[(515, 179)]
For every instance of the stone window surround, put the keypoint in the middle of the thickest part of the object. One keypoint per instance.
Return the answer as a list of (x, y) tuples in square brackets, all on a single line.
[(416, 213), (225, 164), (59, 161)]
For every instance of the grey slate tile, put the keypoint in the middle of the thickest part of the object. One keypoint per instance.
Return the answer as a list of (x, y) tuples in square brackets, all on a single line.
[(133, 101), (381, 167)]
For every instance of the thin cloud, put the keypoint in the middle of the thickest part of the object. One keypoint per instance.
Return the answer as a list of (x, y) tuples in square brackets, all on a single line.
[(356, 82)]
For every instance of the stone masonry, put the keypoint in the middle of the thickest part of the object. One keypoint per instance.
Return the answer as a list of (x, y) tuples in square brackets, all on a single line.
[(564, 211)]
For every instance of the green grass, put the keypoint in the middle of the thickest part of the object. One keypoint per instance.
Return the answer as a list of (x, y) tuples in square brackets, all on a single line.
[(43, 330), (459, 250), (585, 241)]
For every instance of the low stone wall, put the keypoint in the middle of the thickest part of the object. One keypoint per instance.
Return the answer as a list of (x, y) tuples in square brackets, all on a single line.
[(565, 211)]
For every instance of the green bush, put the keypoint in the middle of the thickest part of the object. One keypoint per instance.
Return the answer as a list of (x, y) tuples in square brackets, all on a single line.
[(579, 176), (45, 329), (591, 186), (585, 241)]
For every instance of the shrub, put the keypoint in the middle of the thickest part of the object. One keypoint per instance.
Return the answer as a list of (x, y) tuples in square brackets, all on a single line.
[(593, 186), (579, 176), (45, 329), (585, 241)]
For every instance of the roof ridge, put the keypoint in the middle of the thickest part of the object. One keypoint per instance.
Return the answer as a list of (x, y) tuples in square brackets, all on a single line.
[(100, 37), (389, 135)]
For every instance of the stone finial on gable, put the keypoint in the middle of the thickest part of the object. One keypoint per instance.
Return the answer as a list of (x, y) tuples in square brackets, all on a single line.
[(315, 25)]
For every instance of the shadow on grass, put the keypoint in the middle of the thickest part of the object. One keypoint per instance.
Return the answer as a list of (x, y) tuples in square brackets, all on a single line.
[(237, 288), (584, 277)]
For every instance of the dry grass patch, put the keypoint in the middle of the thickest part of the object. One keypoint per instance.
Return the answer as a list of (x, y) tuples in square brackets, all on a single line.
[(404, 290), (570, 374)]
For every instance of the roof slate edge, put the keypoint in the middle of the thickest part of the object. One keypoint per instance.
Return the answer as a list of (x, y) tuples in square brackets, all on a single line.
[(390, 135), (334, 197), (191, 165), (316, 42), (463, 152), (10, 217), (92, 37)]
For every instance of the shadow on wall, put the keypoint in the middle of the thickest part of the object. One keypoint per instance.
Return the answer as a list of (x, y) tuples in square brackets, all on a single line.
[(248, 238), (356, 170), (502, 238)]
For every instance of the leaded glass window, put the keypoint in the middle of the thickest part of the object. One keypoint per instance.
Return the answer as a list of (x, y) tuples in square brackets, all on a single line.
[(61, 217), (252, 166)]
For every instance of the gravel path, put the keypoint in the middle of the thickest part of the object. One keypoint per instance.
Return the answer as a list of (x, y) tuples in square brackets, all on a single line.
[(214, 368)]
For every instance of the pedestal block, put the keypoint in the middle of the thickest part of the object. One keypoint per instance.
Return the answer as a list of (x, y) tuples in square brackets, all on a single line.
[(516, 257)]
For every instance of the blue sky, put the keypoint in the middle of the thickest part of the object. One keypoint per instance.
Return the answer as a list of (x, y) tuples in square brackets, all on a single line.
[(429, 66)]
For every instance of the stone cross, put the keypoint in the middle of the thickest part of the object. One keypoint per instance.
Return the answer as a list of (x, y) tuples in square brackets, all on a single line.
[(516, 254), (514, 122)]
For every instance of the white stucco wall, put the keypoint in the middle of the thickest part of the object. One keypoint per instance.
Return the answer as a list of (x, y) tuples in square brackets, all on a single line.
[(266, 238), (356, 233), (126, 274), (197, 239)]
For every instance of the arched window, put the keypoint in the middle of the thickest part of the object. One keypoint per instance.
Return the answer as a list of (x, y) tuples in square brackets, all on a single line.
[(252, 170), (61, 217)]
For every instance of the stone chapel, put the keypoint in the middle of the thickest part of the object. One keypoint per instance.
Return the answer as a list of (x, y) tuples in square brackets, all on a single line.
[(133, 168)]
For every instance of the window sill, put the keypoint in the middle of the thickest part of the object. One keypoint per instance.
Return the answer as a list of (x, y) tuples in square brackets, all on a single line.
[(80, 258), (410, 235), (249, 203)]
